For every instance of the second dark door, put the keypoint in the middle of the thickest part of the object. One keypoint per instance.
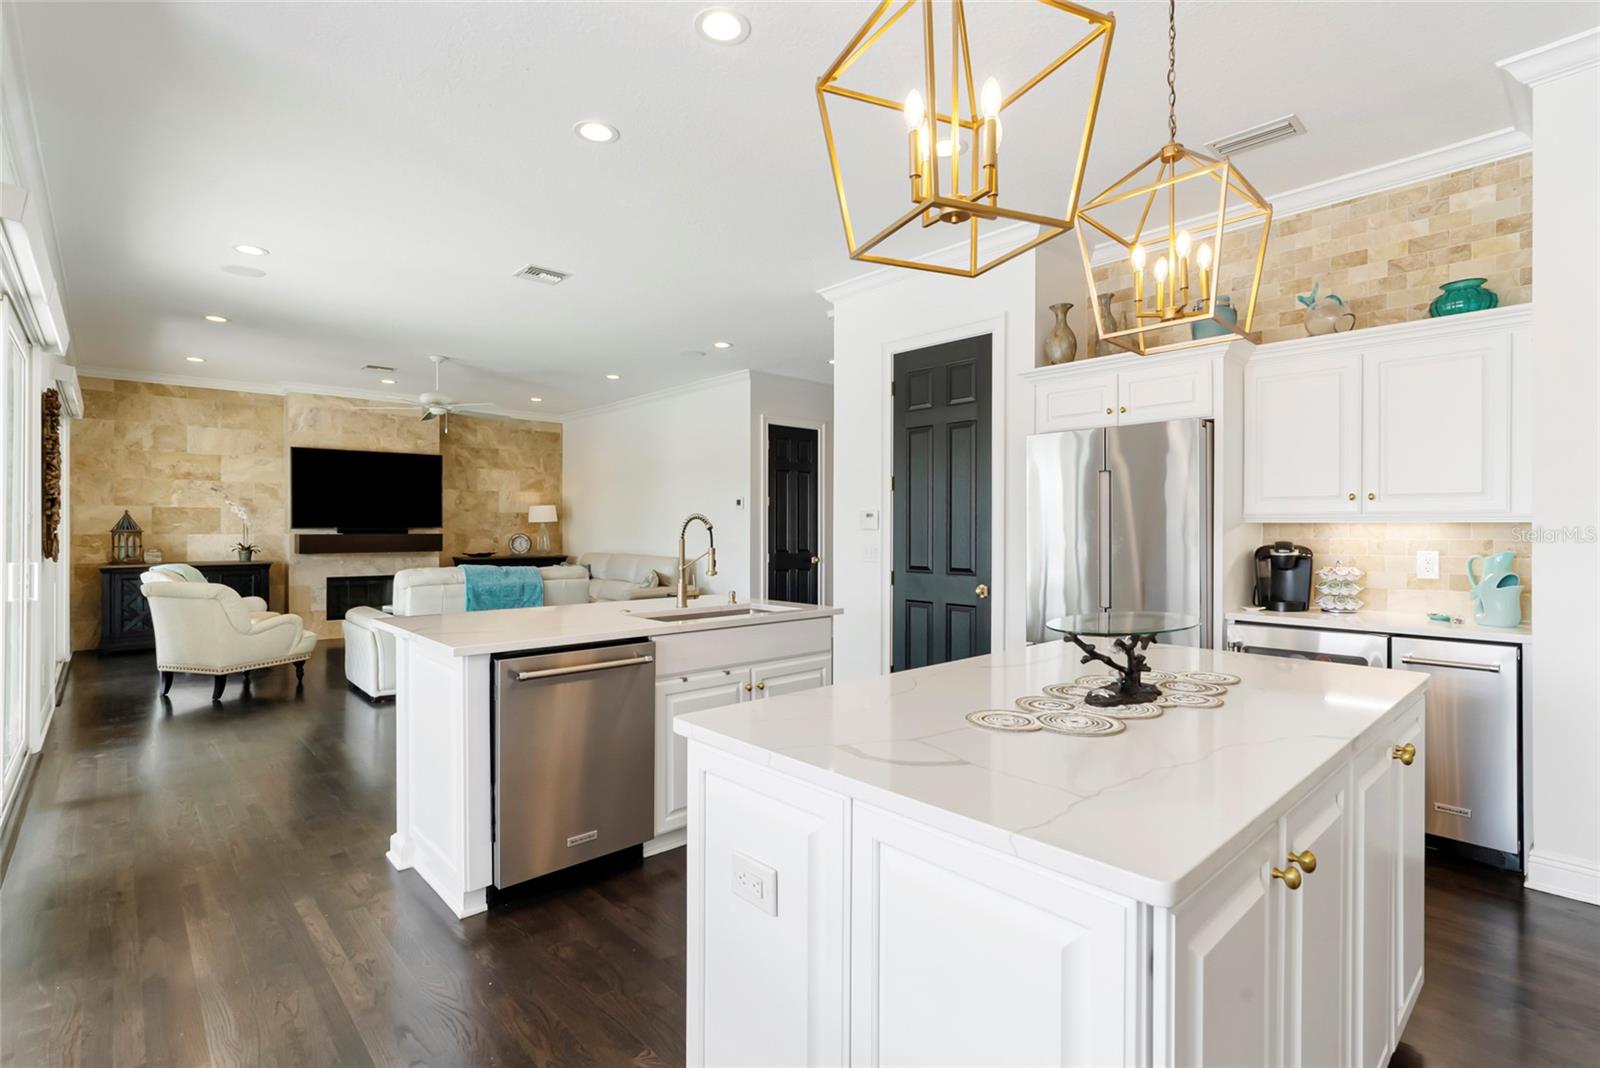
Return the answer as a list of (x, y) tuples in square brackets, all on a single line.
[(792, 546), (941, 503)]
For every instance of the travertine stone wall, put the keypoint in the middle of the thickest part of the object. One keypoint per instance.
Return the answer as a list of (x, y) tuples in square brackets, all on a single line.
[(494, 469), (1386, 254), (168, 454), (1387, 552)]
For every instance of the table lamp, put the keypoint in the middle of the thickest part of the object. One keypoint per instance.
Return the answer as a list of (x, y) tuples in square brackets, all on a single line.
[(544, 515)]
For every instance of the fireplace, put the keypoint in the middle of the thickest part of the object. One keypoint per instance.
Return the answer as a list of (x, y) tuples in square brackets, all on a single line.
[(348, 591)]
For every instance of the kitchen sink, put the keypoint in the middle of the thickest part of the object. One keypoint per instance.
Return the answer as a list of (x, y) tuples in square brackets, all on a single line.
[(680, 615)]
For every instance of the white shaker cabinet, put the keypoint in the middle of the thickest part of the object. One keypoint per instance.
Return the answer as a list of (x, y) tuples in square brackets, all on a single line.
[(676, 697), (1303, 436), (778, 677), (1123, 390), (1315, 959), (1437, 420), (1410, 795), (1077, 401)]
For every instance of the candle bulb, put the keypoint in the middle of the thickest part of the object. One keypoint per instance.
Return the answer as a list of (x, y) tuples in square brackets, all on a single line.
[(1182, 281), (915, 110), (990, 101), (1202, 256), (1161, 283), (1136, 258)]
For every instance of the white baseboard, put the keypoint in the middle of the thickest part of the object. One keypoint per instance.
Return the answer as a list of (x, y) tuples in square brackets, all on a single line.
[(670, 840), (1564, 876)]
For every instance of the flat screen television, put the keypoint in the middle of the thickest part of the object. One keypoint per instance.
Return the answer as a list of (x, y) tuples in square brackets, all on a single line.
[(352, 490)]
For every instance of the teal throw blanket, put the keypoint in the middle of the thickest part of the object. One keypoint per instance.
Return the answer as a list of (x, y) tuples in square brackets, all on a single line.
[(490, 587)]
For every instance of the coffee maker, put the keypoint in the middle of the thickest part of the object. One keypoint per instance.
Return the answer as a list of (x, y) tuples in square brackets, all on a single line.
[(1283, 577)]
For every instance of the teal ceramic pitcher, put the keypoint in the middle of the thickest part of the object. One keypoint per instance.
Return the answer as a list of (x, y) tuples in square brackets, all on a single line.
[(1485, 572)]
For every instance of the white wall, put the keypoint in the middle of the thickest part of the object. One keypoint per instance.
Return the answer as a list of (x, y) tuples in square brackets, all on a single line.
[(790, 402), (1564, 855), (894, 311), (631, 472)]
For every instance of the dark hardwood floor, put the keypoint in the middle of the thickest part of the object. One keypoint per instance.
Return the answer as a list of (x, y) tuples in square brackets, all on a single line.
[(197, 884)]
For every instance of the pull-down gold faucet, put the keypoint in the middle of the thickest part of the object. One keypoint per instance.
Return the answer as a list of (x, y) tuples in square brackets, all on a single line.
[(685, 566)]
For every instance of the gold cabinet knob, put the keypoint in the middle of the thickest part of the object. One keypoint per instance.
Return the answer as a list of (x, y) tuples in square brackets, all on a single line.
[(747, 687), (1404, 753), (1352, 496), (1108, 411), (762, 685), (1124, 411), (1306, 859), (982, 591), (1372, 496), (1289, 875)]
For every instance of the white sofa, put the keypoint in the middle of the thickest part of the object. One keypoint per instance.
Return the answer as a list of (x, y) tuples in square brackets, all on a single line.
[(632, 576), (427, 591), (205, 628)]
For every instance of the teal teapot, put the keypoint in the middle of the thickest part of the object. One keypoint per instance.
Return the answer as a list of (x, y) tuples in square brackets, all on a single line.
[(1496, 590)]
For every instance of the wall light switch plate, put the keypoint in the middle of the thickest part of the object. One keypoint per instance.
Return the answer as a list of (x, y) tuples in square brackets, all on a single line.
[(1427, 564), (756, 882), (869, 520)]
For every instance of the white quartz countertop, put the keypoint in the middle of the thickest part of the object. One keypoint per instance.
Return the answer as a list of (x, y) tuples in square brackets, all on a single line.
[(1149, 813), (512, 629), (1411, 624)]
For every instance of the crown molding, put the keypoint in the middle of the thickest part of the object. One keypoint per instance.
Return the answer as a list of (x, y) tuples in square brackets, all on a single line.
[(994, 243), (1470, 324), (1396, 174), (282, 389), (1558, 59), (649, 398)]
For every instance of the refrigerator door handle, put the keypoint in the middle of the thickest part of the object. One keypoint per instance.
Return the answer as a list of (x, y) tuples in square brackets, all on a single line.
[(1105, 539)]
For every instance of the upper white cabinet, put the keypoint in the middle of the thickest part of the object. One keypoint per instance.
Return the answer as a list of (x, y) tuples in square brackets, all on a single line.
[(1119, 390), (1427, 420), (1303, 436)]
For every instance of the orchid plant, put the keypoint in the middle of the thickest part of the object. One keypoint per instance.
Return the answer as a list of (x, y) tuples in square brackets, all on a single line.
[(245, 545)]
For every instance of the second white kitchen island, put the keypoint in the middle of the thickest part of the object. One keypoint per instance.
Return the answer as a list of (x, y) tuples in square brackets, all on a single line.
[(875, 880)]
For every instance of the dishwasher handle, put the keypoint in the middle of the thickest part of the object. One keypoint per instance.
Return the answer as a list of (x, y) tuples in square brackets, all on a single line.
[(574, 669), (1465, 665)]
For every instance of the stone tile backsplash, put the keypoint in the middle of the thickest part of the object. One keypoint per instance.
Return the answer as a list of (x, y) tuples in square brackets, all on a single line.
[(1387, 552)]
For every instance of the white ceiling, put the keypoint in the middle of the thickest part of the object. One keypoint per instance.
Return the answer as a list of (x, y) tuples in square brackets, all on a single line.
[(401, 161)]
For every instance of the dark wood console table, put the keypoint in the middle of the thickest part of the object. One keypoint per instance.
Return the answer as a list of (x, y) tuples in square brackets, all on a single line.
[(528, 560), (125, 614)]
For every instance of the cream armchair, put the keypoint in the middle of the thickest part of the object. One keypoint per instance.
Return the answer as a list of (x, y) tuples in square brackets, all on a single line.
[(204, 628)]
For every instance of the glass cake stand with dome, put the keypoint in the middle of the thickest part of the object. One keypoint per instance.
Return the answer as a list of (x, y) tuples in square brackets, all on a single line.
[(1133, 632)]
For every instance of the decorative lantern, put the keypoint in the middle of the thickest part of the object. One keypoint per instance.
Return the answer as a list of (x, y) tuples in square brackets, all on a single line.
[(953, 130), (127, 540), (1165, 221)]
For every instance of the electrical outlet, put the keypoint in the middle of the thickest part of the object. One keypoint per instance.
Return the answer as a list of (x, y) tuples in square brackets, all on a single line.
[(756, 883), (1427, 564)]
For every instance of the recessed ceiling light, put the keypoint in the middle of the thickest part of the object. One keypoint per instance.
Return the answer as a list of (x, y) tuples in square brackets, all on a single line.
[(598, 132), (251, 250), (722, 344), (537, 400), (195, 359), (216, 318), (722, 26), (613, 377), (386, 381), (830, 363)]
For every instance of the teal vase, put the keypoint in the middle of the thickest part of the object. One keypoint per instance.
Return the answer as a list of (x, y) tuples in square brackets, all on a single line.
[(1463, 295), (1209, 327)]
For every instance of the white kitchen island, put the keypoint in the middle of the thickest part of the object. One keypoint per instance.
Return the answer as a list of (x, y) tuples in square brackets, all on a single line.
[(875, 880), (705, 656)]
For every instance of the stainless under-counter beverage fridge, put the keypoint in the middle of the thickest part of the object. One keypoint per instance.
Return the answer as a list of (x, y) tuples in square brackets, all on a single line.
[(1121, 518)]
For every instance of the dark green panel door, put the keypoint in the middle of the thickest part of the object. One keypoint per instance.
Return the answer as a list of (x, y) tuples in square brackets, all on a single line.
[(941, 503)]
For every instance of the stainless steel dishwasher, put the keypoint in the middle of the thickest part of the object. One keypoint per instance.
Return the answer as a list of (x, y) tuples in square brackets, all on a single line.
[(1473, 734), (574, 757)]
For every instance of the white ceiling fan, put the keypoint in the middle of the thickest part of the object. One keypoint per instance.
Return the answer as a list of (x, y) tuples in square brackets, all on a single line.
[(432, 404)]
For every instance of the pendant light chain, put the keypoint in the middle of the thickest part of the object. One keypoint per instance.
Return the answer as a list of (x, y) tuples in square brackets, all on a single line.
[(1172, 70)]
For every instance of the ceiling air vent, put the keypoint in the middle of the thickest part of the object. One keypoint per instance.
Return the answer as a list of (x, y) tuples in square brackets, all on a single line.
[(542, 275), (1256, 136), (376, 367)]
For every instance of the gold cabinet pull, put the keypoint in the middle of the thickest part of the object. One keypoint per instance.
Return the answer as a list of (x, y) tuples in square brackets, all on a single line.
[(982, 591), (1372, 496), (1123, 410), (1352, 496), (1306, 859), (762, 685), (747, 687), (1289, 875), (1404, 753)]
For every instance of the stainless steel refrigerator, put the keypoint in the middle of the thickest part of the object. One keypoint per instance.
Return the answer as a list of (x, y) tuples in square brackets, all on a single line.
[(1120, 519)]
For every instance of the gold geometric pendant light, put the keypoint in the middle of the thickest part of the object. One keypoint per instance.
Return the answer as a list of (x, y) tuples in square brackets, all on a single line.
[(1170, 215), (966, 134)]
